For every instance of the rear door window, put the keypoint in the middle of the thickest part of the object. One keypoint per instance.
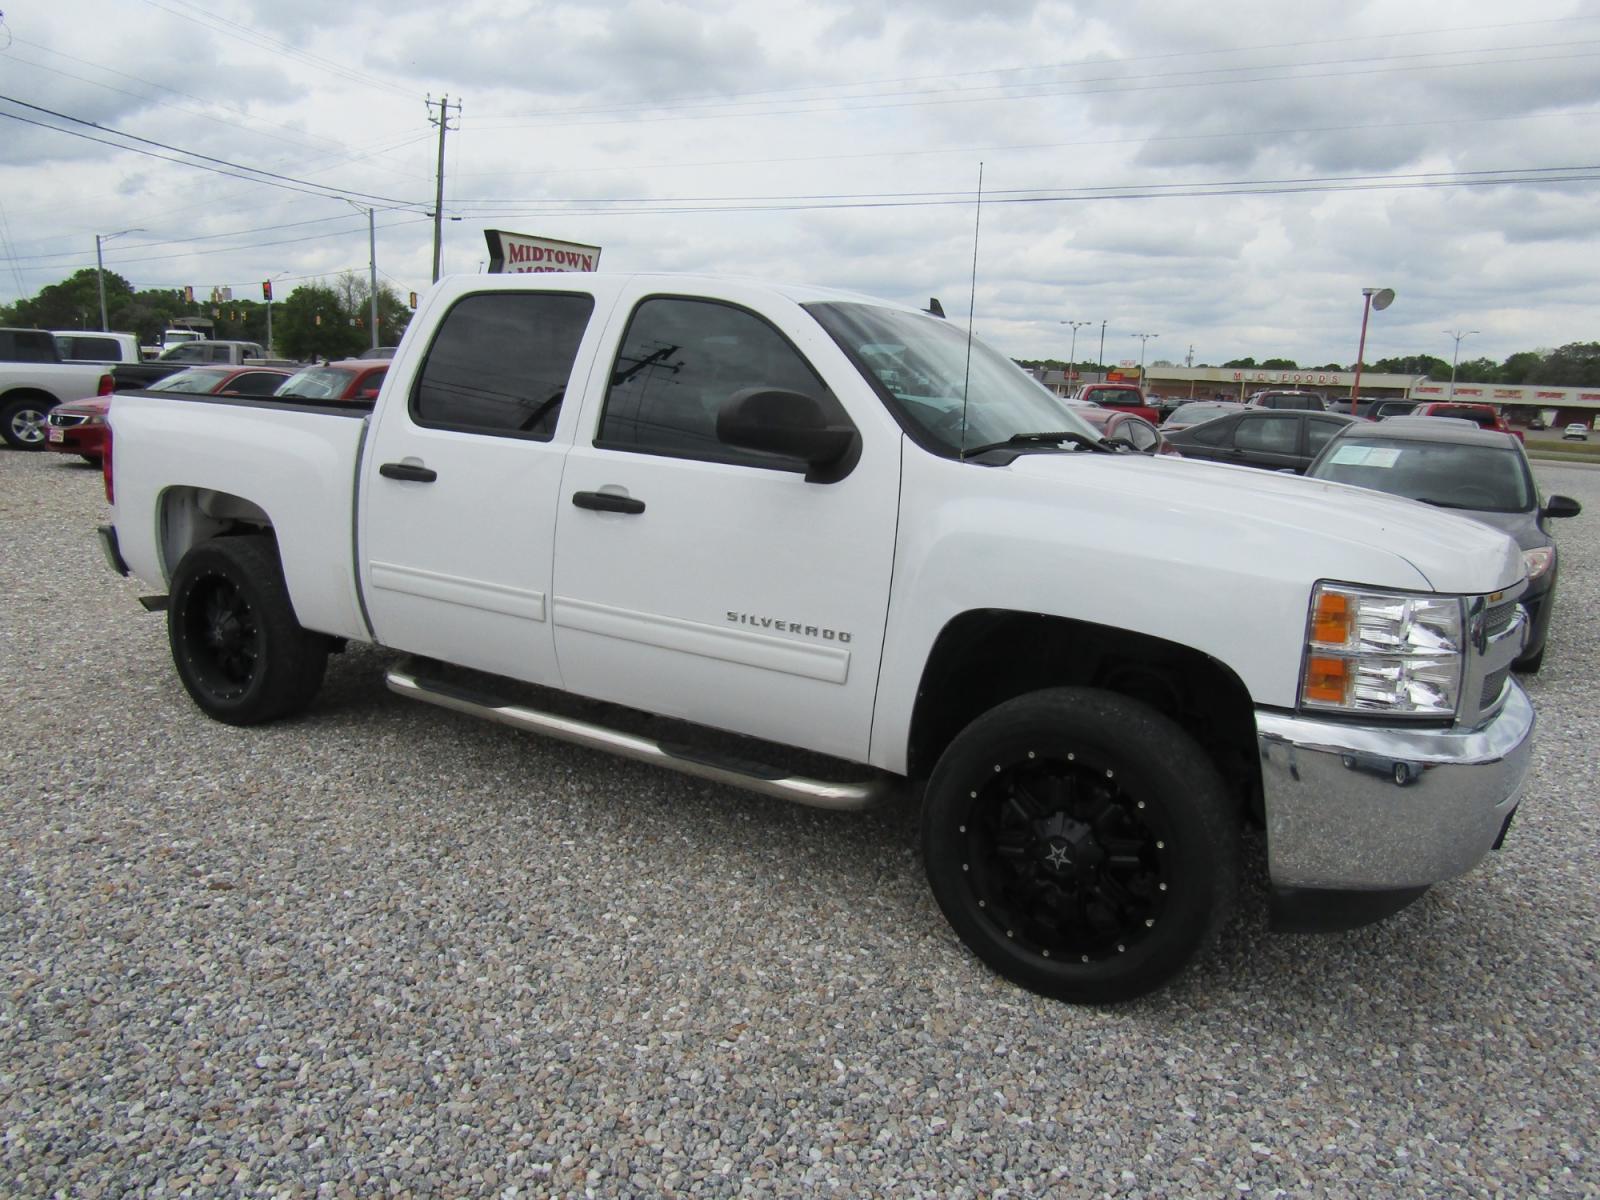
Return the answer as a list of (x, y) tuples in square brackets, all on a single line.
[(500, 363), (1268, 433)]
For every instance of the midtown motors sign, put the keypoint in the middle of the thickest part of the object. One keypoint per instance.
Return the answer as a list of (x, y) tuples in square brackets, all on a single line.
[(522, 254)]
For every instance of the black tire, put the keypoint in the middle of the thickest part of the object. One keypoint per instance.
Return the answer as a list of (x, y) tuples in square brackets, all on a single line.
[(1080, 843), (239, 651), (22, 422)]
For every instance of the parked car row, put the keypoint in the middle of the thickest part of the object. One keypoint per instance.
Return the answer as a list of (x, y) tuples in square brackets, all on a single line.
[(1481, 473), (80, 427)]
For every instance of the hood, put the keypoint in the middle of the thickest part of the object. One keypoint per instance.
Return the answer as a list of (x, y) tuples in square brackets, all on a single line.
[(1348, 530), (1521, 527)]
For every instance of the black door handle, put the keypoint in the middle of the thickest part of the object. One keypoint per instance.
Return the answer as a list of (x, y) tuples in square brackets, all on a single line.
[(607, 502), (409, 471)]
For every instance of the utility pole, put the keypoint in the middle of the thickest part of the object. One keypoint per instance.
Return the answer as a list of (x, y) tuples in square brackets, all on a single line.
[(372, 267), (438, 196), (100, 270)]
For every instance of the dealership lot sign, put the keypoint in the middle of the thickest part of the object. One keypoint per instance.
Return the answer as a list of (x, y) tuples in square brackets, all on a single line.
[(522, 253)]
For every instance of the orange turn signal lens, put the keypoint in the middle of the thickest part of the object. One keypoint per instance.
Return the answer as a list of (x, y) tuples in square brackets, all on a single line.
[(1333, 618), (1327, 679)]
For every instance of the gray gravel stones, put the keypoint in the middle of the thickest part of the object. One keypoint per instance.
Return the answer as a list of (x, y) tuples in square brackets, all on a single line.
[(383, 950)]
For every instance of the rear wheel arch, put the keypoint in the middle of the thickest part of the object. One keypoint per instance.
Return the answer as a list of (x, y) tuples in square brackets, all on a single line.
[(189, 516)]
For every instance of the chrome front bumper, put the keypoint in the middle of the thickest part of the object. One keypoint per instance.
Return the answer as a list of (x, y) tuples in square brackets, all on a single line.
[(1373, 808)]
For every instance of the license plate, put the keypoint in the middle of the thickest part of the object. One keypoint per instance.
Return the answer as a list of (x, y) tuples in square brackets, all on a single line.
[(55, 435)]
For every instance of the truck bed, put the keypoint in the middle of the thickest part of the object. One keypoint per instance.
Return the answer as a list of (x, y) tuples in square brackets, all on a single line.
[(189, 458)]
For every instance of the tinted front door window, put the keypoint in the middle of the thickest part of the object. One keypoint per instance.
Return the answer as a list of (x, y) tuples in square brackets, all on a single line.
[(679, 362)]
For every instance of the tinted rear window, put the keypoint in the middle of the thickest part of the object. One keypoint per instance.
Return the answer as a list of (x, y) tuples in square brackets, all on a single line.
[(500, 363), (27, 345)]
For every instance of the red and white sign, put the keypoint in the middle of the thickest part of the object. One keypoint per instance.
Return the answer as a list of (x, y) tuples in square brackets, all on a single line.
[(523, 254)]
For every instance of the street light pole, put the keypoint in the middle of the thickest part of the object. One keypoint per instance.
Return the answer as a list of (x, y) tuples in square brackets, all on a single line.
[(1073, 361), (1101, 361), (1144, 340), (1379, 298), (100, 272), (1458, 334)]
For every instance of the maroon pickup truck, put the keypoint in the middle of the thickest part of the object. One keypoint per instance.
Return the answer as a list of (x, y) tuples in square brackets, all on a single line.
[(1124, 397)]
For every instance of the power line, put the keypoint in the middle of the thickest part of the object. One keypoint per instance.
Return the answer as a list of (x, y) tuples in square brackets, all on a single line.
[(264, 41), (1114, 86), (1188, 53), (1585, 174), (162, 87), (956, 196), (268, 176)]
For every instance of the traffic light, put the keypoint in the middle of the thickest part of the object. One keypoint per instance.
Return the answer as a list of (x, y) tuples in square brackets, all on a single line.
[(413, 299), (266, 290), (188, 295)]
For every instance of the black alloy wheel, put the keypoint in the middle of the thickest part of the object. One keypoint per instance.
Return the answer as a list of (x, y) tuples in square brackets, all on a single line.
[(1080, 843), (240, 652)]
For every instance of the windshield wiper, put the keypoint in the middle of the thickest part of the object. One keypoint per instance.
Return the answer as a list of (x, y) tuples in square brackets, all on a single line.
[(1442, 503), (1043, 439)]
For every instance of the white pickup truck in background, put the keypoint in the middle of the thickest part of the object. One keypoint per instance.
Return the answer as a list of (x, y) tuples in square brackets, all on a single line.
[(818, 545), (34, 379)]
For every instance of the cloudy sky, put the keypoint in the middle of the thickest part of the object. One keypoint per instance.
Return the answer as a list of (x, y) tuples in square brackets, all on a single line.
[(1226, 176)]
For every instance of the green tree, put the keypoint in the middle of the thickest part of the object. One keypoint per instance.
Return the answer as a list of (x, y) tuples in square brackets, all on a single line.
[(313, 323), (74, 303), (1577, 364), (1414, 364), (1240, 362), (1477, 370), (1279, 364), (1526, 366)]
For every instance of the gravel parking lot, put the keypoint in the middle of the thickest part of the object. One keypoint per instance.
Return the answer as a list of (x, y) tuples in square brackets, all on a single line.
[(386, 950)]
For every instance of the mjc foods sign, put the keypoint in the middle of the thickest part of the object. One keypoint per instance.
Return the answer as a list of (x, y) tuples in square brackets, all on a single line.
[(522, 253), (1323, 377)]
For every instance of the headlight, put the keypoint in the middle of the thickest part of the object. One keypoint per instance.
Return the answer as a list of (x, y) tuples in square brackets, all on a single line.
[(1381, 652), (1538, 561)]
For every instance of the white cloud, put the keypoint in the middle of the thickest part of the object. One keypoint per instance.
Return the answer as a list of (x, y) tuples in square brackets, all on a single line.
[(579, 104)]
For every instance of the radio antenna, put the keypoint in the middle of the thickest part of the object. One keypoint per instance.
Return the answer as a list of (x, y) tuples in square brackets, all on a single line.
[(972, 304)]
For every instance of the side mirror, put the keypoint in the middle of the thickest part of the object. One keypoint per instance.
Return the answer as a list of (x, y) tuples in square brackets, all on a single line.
[(792, 424), (1562, 506)]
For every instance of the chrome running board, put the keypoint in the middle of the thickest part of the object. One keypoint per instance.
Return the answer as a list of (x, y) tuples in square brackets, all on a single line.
[(405, 679)]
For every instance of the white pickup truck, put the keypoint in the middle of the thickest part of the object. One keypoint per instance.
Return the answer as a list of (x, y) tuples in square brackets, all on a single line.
[(818, 545), (34, 379)]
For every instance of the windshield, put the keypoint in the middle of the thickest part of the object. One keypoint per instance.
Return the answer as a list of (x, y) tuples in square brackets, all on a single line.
[(918, 364), (1483, 478), (192, 380), (317, 383)]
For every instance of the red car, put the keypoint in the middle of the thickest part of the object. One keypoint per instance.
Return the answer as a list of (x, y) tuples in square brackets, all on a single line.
[(1485, 416), (347, 379), (80, 427), (1124, 397), (1117, 425)]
